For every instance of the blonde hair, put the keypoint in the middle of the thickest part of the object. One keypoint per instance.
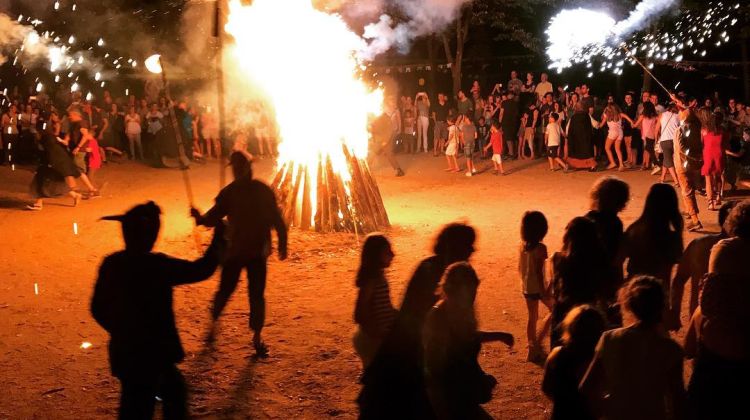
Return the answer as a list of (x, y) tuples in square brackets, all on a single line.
[(612, 111)]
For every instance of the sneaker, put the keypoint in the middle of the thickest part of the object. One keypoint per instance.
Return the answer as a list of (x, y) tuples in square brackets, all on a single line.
[(656, 170), (468, 174), (34, 207), (695, 227)]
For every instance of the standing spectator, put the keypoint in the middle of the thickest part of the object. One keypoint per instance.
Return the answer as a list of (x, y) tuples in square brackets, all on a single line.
[(738, 164), (630, 134), (440, 115), (580, 144), (543, 88), (514, 84), (586, 99), (654, 98), (636, 372), (648, 122), (529, 121), (509, 121), (374, 313), (464, 105), (714, 149), (10, 133), (653, 243), (476, 89), (423, 120), (496, 142), (483, 135), (133, 132), (468, 133), (528, 91), (566, 364), (155, 126), (407, 137), (478, 106), (553, 139)]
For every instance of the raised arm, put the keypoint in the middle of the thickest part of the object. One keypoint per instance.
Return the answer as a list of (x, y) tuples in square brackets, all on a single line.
[(180, 271)]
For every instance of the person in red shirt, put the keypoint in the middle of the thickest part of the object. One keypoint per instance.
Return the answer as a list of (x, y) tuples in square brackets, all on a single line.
[(496, 142)]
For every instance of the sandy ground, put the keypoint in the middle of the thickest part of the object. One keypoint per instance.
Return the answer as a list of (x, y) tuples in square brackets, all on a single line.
[(313, 370)]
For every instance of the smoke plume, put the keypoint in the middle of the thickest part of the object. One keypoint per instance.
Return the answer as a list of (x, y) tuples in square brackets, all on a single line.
[(644, 13)]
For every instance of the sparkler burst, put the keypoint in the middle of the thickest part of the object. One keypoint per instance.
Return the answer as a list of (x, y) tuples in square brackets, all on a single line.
[(593, 38)]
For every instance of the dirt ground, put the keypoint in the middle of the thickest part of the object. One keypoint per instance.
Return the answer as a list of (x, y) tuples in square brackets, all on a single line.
[(313, 370)]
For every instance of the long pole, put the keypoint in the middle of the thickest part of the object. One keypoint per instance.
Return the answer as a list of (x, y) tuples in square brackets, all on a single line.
[(631, 55), (182, 158), (219, 34)]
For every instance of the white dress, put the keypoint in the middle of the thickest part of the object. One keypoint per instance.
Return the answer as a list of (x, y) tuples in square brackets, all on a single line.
[(452, 148)]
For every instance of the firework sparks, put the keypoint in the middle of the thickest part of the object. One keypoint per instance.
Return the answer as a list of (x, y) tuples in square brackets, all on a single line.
[(584, 36)]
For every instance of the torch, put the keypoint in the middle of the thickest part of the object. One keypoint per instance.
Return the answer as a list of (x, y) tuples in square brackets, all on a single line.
[(154, 65)]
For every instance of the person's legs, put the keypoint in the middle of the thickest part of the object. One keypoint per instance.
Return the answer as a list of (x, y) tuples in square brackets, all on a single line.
[(608, 150), (710, 191), (256, 287), (629, 150), (173, 392), (425, 121), (532, 309), (139, 144), (530, 142), (131, 143), (230, 275), (618, 151), (137, 398), (688, 192)]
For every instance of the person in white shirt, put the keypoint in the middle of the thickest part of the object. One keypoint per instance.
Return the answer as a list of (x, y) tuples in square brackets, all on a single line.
[(552, 139), (669, 123), (133, 132), (542, 88)]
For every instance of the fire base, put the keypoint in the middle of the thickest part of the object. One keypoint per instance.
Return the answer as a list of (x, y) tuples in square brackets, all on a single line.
[(340, 206)]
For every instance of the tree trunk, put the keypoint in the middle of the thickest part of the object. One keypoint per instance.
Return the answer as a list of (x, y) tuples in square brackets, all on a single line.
[(745, 61), (432, 91), (456, 62)]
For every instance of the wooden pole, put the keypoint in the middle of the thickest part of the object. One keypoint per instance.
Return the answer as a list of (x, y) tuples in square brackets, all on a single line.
[(219, 34)]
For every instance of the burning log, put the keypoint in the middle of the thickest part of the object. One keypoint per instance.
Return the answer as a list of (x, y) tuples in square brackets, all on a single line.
[(327, 200)]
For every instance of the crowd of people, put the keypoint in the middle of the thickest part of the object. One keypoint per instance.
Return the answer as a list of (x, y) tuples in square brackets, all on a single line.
[(612, 301), (575, 129), (73, 140)]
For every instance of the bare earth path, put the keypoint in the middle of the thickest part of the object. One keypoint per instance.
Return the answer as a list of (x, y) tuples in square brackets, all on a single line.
[(313, 370)]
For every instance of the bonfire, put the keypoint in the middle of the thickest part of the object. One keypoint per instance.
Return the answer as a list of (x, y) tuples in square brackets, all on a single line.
[(306, 65)]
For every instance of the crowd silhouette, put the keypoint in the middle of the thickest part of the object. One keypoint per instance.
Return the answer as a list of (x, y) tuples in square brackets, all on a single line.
[(610, 291)]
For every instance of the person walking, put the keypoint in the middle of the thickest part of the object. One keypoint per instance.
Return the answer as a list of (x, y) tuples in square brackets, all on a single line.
[(132, 301), (251, 211), (423, 120)]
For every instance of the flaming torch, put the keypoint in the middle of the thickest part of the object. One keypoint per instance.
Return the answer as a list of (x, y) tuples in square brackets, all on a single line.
[(304, 63)]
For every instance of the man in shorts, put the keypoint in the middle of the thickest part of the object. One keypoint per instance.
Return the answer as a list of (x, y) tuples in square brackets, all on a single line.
[(469, 137), (440, 115)]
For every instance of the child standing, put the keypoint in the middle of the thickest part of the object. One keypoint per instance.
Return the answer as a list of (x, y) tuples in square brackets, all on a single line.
[(452, 149), (552, 139), (410, 122), (93, 160), (496, 142), (468, 138), (566, 364), (531, 261), (483, 134)]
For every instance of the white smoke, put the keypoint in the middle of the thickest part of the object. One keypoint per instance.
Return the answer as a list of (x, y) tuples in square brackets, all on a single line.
[(423, 17), (644, 12), (23, 42)]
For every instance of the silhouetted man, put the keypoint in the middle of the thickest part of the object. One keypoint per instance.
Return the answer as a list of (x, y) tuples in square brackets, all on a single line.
[(250, 208), (133, 302)]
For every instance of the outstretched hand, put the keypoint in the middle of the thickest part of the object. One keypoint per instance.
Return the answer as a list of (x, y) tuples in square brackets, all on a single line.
[(195, 213)]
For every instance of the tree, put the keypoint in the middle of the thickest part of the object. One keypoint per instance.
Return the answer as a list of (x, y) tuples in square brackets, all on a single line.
[(514, 20)]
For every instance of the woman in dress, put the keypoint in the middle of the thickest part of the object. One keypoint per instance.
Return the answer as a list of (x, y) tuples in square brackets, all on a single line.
[(714, 147), (57, 172), (580, 145), (647, 121)]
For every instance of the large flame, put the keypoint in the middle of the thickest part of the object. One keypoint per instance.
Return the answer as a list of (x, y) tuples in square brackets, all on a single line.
[(305, 62)]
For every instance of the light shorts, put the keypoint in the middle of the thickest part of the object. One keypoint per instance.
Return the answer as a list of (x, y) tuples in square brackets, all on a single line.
[(451, 149), (497, 158), (528, 134)]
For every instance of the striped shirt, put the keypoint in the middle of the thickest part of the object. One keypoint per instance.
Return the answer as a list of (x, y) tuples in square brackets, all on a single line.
[(376, 314)]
